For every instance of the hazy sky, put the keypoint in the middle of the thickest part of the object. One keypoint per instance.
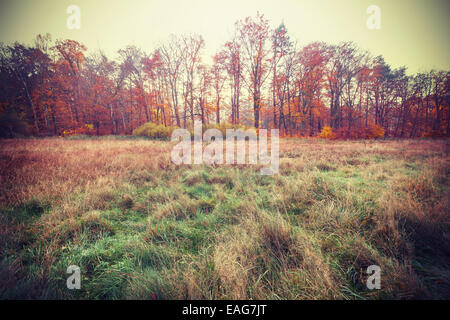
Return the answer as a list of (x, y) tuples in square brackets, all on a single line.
[(413, 33)]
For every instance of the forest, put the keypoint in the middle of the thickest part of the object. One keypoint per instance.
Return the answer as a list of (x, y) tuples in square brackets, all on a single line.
[(260, 77)]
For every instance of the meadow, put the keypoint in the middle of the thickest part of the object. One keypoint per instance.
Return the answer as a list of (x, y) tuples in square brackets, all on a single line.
[(140, 227)]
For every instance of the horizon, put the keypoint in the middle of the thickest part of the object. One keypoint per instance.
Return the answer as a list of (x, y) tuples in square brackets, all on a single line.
[(413, 34)]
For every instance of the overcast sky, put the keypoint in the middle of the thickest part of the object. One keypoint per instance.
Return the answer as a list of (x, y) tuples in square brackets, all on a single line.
[(413, 33)]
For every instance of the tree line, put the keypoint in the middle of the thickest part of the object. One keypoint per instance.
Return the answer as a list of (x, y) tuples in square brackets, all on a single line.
[(260, 77)]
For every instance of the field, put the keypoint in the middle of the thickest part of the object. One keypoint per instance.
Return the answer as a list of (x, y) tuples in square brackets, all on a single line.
[(140, 227)]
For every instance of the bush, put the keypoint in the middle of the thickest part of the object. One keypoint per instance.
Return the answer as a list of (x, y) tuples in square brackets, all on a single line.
[(372, 131), (222, 127), (84, 130), (327, 133), (154, 131), (375, 131)]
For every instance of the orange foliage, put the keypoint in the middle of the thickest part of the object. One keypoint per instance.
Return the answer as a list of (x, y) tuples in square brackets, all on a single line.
[(327, 133), (86, 129)]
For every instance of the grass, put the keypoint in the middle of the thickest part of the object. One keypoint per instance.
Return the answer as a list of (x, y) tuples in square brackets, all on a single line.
[(140, 227)]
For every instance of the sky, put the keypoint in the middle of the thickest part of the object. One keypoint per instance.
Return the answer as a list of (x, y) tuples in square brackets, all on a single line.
[(413, 33)]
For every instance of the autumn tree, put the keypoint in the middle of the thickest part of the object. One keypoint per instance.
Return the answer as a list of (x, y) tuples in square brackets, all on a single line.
[(232, 54), (253, 36), (20, 66), (172, 58), (281, 46), (309, 85), (343, 65), (191, 59), (218, 78)]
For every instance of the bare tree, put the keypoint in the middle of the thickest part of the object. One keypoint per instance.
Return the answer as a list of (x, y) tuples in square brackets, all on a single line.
[(253, 36), (172, 57)]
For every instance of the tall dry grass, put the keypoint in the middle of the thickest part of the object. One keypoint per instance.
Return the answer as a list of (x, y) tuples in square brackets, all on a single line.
[(214, 232)]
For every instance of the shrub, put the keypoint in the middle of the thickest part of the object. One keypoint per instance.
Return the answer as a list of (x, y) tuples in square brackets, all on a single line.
[(375, 131), (372, 131), (84, 130), (433, 134), (222, 127), (327, 133), (154, 131)]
